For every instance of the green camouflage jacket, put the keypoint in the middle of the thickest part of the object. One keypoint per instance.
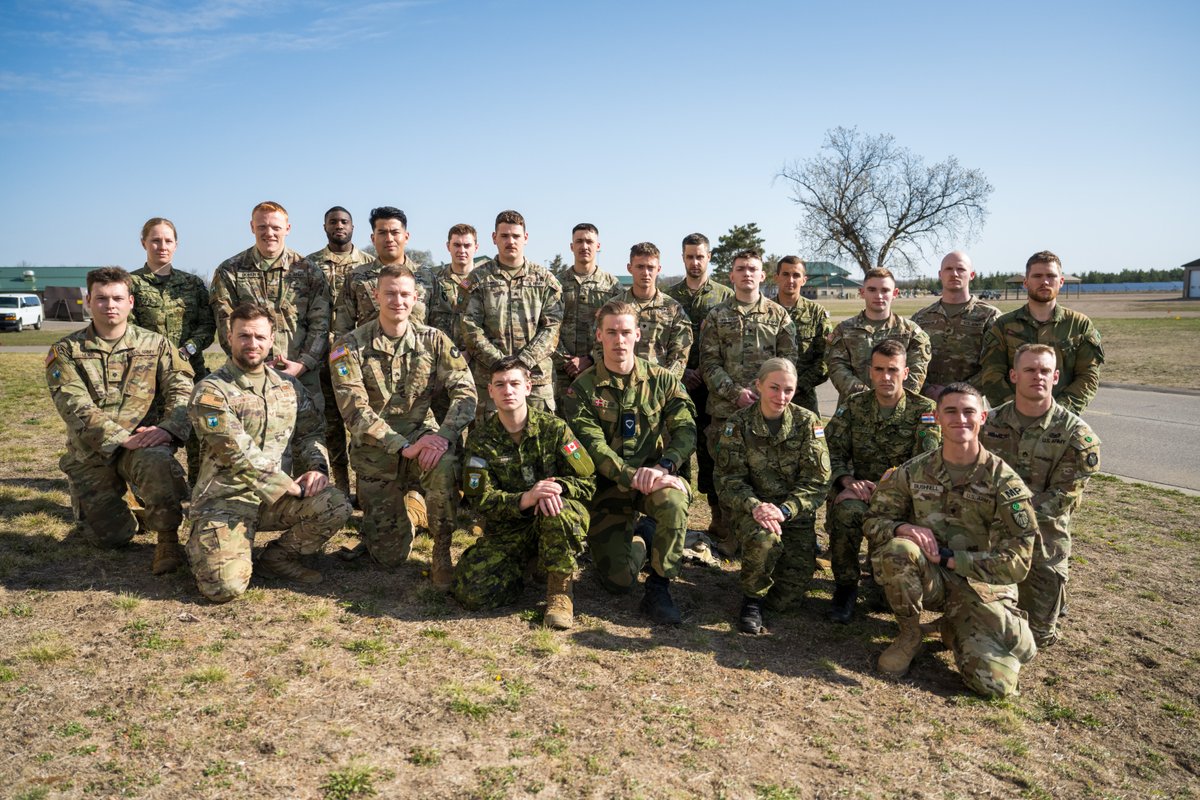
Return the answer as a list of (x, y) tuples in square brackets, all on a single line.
[(864, 445), (849, 353), (666, 332), (104, 392), (176, 307), (448, 303), (513, 312), (336, 266), (789, 469), (697, 306), (735, 340), (812, 337), (956, 341), (356, 303), (582, 297)]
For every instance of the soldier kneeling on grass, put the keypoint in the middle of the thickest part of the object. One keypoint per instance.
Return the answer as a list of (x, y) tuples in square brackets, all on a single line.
[(530, 480)]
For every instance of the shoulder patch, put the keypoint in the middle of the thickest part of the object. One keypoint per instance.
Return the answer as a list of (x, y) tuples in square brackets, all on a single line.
[(51, 357), (840, 412), (729, 429), (207, 398), (818, 430), (887, 474), (928, 419), (1014, 492), (337, 352), (578, 458)]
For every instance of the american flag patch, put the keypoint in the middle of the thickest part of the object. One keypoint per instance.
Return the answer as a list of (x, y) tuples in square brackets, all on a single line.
[(51, 356), (337, 352)]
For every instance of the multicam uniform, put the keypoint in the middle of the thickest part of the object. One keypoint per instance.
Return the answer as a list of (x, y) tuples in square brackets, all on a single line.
[(176, 307), (298, 293), (666, 332), (955, 340), (987, 520), (385, 388), (497, 472), (356, 304), (865, 441), (627, 422), (104, 392), (1077, 350), (812, 337), (788, 468), (1055, 456), (514, 311), (250, 428), (448, 303), (582, 297), (849, 353)]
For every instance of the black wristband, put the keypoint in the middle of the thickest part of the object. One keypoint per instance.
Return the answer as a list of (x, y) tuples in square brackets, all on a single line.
[(787, 513), (668, 465), (944, 555)]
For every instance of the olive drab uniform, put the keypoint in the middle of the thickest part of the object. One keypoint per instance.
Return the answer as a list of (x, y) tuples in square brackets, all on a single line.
[(987, 520), (513, 311), (582, 297), (296, 290), (812, 337), (864, 442), (104, 392), (336, 266), (627, 422), (251, 427), (176, 306), (849, 353), (356, 304), (666, 331), (497, 472), (955, 340), (385, 388), (697, 305), (1055, 456), (789, 468), (1077, 351)]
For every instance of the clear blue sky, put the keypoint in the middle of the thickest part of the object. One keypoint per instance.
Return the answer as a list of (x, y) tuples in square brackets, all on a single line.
[(649, 119)]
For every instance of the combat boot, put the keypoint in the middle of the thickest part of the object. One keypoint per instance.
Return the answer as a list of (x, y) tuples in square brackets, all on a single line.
[(719, 532), (168, 555), (751, 621), (657, 603), (441, 567), (560, 611), (277, 562), (841, 608), (900, 653)]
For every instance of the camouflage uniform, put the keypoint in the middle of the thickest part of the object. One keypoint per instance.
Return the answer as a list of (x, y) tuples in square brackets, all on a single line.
[(336, 266), (298, 293), (582, 297), (247, 443), (498, 472), (666, 332), (812, 337), (513, 311), (697, 306), (104, 392), (864, 444), (176, 307), (955, 340), (356, 304), (385, 388), (849, 353), (624, 421), (988, 522), (789, 469), (1077, 350), (1055, 456), (448, 303)]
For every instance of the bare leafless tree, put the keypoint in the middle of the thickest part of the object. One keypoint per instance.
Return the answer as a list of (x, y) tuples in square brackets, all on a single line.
[(869, 199)]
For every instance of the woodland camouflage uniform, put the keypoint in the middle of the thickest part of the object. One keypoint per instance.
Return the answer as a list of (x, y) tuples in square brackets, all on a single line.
[(955, 340), (812, 337), (849, 353)]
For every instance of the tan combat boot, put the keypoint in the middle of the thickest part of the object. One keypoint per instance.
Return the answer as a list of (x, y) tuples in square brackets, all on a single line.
[(279, 563), (168, 555), (900, 653), (441, 567), (560, 611)]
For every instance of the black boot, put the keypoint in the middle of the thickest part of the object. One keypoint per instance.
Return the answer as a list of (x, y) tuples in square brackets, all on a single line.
[(657, 603), (751, 621), (841, 609)]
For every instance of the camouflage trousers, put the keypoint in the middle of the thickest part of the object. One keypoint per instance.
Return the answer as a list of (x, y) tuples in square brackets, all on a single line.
[(619, 555), (386, 528), (541, 398), (705, 468), (98, 493), (990, 640), (845, 525), (1043, 593), (776, 567), (490, 573), (311, 380), (222, 537), (335, 428)]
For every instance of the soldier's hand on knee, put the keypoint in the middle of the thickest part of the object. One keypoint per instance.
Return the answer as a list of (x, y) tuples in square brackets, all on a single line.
[(312, 482), (922, 537), (769, 516), (550, 506), (667, 482), (540, 491), (146, 436), (645, 477)]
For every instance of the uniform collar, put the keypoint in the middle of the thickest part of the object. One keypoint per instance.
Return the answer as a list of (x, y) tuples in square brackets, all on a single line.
[(1057, 316), (896, 412), (241, 378), (759, 426), (383, 343), (605, 378)]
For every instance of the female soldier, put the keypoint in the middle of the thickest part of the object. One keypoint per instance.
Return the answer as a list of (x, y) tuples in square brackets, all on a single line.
[(772, 470)]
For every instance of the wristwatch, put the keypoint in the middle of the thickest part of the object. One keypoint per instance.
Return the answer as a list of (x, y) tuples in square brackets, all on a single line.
[(944, 555), (668, 465), (787, 513), (188, 350)]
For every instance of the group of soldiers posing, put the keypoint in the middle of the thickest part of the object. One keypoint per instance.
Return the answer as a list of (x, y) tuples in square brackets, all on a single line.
[(965, 510)]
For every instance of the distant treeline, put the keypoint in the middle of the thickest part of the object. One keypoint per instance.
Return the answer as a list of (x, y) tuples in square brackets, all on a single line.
[(997, 280)]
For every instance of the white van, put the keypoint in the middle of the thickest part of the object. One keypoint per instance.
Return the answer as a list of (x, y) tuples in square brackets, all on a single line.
[(20, 311)]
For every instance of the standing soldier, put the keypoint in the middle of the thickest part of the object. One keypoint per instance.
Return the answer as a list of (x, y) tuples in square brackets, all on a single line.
[(870, 433), (812, 330), (636, 421), (252, 421), (174, 304), (356, 301), (955, 325), (336, 260), (531, 479), (386, 374), (666, 330), (585, 288), (737, 337), (448, 301), (275, 276), (849, 353), (1054, 452), (772, 469), (514, 309), (122, 391), (953, 530), (1042, 320)]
